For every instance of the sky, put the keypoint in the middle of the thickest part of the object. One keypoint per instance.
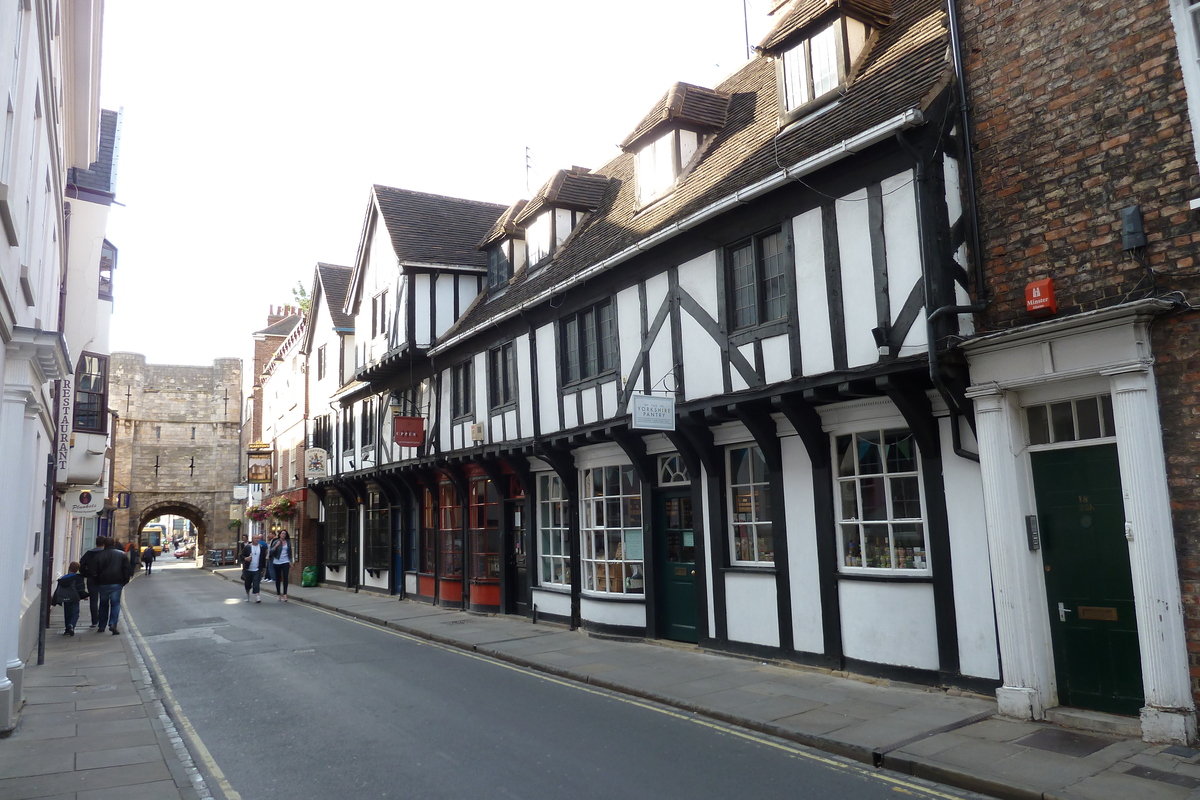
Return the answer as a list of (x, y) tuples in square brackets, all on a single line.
[(252, 132)]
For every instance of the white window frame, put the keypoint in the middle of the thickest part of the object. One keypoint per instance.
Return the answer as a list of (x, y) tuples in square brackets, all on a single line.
[(626, 574), (858, 560), (754, 519), (554, 536)]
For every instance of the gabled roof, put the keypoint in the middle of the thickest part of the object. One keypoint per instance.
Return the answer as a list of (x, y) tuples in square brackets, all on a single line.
[(804, 12), (334, 281), (904, 73), (577, 188), (505, 227), (684, 105), (432, 229)]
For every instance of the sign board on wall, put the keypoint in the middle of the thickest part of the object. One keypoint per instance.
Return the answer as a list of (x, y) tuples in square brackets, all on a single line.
[(66, 421), (258, 466), (84, 502), (408, 431), (316, 462), (652, 413)]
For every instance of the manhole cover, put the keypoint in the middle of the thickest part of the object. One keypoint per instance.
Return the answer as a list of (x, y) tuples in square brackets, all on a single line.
[(1067, 743)]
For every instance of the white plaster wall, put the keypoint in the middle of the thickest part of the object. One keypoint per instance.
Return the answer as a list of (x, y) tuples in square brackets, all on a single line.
[(557, 603), (444, 406), (751, 612), (410, 583), (889, 623), (966, 322), (858, 278), (777, 359), (524, 385), (423, 314), (380, 582), (656, 294), (978, 651), (444, 315), (591, 406), (812, 295), (625, 614), (546, 378), (629, 330), (902, 249), (698, 278), (511, 426), (661, 361), (706, 538), (479, 385), (736, 381), (807, 632), (702, 375), (608, 399), (335, 575), (570, 410)]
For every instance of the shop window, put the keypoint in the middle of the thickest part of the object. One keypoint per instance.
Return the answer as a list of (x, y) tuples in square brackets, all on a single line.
[(428, 546), (758, 270), (554, 531), (377, 540), (91, 391), (589, 342), (450, 533), (750, 506), (881, 519), (611, 531), (483, 515), (337, 529), (1071, 420)]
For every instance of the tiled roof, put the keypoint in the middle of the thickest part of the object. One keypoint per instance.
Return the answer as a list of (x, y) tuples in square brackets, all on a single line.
[(804, 12), (505, 227), (577, 188), (905, 70), (281, 328), (335, 281), (101, 175), (432, 229), (683, 104)]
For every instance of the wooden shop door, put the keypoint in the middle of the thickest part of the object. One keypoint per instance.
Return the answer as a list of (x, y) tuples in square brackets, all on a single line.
[(676, 578)]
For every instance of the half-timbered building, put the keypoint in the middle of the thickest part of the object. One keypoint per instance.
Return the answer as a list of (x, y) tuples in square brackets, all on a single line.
[(705, 392)]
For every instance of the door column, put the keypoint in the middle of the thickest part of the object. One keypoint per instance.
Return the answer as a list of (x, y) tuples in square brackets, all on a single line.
[(1018, 588), (1169, 714)]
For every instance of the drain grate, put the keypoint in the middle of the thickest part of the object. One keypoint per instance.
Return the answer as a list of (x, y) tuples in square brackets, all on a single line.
[(1067, 743)]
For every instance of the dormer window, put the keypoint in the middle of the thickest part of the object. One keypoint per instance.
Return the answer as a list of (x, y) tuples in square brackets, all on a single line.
[(548, 231), (661, 161), (815, 67), (499, 265)]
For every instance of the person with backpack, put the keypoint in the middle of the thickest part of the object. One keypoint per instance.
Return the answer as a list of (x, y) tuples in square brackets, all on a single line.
[(113, 570), (71, 588), (85, 569), (148, 557)]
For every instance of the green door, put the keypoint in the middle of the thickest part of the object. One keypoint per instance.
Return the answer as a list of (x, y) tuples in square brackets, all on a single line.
[(1089, 588), (676, 579)]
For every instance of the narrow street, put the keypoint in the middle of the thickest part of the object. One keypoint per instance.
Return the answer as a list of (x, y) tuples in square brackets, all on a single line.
[(291, 701)]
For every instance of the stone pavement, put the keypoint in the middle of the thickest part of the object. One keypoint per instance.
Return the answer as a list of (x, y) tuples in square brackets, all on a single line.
[(953, 738), (93, 728)]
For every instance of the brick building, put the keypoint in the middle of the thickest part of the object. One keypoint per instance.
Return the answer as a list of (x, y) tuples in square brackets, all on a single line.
[(1086, 188)]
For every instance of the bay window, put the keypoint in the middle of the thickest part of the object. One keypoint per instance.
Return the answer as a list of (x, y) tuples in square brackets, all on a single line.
[(611, 531), (750, 506)]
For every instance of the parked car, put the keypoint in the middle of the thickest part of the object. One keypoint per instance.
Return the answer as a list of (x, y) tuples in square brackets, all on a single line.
[(187, 551)]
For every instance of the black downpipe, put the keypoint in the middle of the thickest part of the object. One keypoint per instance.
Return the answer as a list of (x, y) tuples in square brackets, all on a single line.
[(47, 556)]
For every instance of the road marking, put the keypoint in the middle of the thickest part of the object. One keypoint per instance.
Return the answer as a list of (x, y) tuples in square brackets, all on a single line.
[(898, 784), (196, 745)]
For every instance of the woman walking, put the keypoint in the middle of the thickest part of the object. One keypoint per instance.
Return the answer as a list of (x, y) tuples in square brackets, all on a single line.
[(281, 562)]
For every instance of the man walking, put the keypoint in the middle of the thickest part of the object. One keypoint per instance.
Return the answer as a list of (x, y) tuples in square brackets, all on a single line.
[(88, 571), (113, 571), (254, 563), (148, 557)]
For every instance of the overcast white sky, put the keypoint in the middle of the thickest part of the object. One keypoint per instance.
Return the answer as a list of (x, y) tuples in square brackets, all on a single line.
[(252, 132)]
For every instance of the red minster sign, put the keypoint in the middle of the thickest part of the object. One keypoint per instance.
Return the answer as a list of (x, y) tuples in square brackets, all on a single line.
[(408, 431)]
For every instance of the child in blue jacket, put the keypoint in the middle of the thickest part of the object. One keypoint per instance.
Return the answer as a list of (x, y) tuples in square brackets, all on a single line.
[(71, 588)]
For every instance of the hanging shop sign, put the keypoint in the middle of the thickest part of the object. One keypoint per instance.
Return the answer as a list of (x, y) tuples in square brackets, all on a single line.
[(66, 421), (316, 463), (258, 466), (652, 413), (84, 502), (408, 431)]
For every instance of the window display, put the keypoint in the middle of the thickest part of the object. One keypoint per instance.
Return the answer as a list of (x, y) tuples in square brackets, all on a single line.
[(484, 519), (611, 530), (554, 530), (881, 518), (450, 533), (750, 506)]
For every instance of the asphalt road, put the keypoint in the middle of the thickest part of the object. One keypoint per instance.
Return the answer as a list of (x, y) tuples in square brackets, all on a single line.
[(293, 702)]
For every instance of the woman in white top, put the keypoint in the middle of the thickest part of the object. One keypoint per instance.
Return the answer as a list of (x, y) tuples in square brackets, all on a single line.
[(281, 560)]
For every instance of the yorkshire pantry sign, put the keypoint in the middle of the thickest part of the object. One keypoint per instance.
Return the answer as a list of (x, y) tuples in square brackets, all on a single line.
[(652, 413)]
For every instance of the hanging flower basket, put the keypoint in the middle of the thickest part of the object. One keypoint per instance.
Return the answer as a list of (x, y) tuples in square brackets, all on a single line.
[(283, 508), (258, 513)]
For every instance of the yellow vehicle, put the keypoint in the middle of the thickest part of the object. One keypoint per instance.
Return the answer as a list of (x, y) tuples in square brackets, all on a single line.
[(154, 535)]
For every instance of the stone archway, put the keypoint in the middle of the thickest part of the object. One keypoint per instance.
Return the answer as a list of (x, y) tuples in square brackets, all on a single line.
[(178, 508)]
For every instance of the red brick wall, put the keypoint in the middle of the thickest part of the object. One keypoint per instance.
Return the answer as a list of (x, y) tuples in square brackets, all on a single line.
[(1079, 110)]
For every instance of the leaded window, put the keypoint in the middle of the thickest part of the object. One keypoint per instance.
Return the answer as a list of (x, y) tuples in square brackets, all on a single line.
[(611, 531), (589, 341), (758, 279), (91, 391)]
